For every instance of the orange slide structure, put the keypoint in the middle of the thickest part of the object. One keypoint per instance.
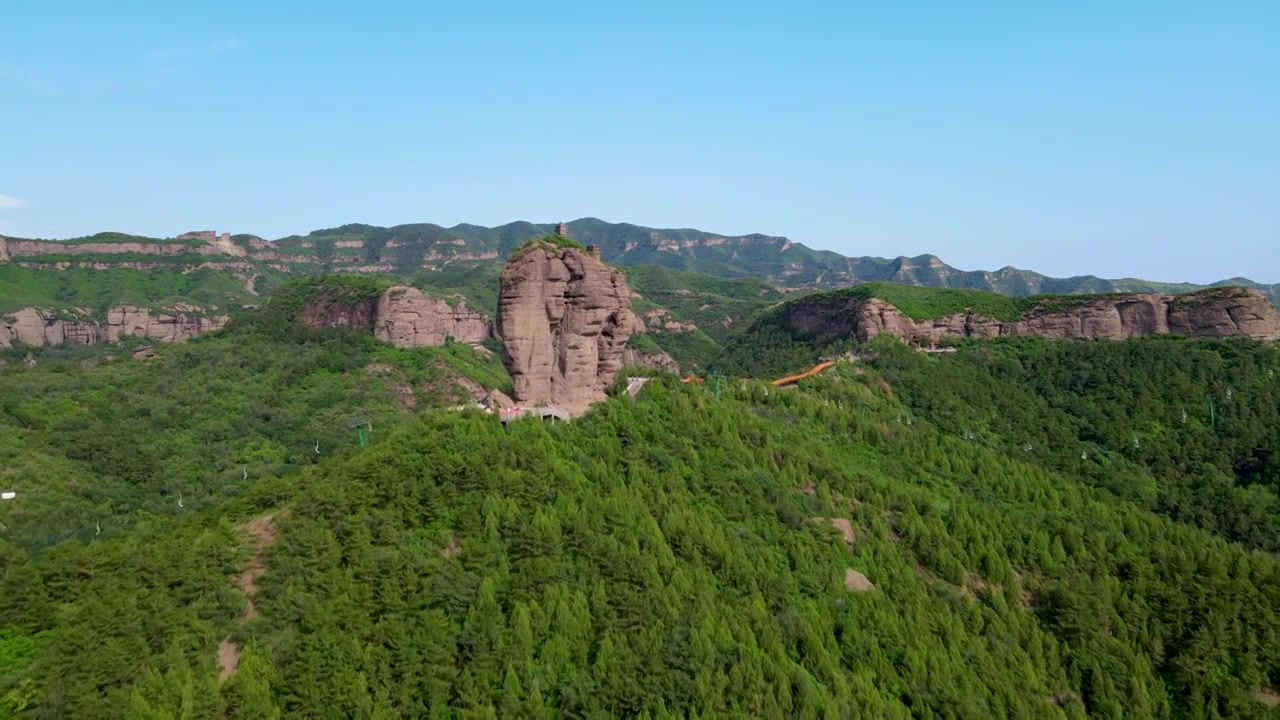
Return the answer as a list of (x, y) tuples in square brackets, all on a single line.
[(780, 382), (790, 379)]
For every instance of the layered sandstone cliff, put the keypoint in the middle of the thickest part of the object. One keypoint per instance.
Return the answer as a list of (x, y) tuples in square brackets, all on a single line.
[(1214, 313), (403, 316), (37, 326), (15, 249), (564, 318), (408, 317)]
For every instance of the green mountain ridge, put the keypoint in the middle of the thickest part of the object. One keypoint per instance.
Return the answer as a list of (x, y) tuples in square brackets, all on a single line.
[(704, 286), (772, 258), (407, 249)]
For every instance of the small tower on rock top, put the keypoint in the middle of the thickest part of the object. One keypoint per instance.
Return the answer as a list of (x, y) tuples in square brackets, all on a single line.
[(562, 230)]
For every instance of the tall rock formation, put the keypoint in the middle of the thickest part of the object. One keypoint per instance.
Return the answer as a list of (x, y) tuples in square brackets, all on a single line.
[(564, 318), (1213, 313)]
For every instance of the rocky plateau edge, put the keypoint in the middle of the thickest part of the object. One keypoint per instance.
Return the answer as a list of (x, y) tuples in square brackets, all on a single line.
[(1213, 313)]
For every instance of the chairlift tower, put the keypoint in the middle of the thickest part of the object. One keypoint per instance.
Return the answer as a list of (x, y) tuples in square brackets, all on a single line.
[(362, 424), (716, 377)]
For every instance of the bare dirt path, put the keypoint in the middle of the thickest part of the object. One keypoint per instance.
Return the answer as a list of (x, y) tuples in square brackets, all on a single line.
[(261, 532)]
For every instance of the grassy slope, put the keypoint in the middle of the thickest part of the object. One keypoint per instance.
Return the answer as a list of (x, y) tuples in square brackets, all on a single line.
[(100, 289)]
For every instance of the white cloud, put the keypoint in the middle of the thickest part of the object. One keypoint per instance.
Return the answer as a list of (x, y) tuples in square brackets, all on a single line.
[(182, 51), (163, 64), (33, 81), (11, 203), (153, 80)]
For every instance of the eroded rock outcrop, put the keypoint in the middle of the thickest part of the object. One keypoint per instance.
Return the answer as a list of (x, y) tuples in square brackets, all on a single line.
[(38, 326), (564, 318), (1213, 313), (403, 316), (653, 359), (325, 312), (497, 400), (408, 317), (660, 319)]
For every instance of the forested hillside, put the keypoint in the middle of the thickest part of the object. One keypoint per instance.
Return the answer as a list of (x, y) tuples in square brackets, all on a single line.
[(876, 543), (1188, 428), (93, 441)]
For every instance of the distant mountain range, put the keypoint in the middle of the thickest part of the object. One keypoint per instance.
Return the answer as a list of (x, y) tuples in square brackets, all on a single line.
[(415, 248), (775, 259)]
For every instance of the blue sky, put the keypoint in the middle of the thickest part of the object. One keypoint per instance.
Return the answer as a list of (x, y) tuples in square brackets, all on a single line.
[(1110, 138)]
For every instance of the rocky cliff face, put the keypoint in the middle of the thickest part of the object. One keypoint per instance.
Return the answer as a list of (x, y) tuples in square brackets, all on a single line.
[(564, 318), (36, 326), (403, 316), (325, 313), (1216, 313), (653, 359), (25, 248), (408, 317)]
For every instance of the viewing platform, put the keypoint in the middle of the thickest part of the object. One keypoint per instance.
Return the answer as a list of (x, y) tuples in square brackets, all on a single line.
[(547, 411)]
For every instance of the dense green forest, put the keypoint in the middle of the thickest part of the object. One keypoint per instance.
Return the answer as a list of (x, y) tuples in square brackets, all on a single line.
[(1188, 428), (1010, 550), (93, 441), (1191, 429)]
